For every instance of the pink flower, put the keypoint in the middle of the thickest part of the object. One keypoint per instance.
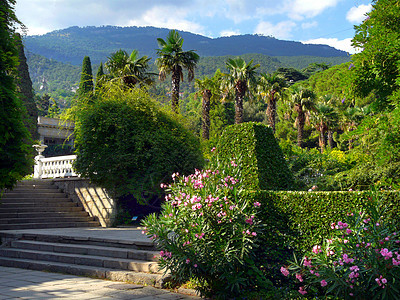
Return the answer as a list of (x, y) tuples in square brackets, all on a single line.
[(299, 277), (307, 262), (284, 271), (302, 290), (187, 260), (212, 149), (195, 265), (253, 233), (233, 163), (384, 281), (316, 249), (257, 204), (324, 283), (386, 253)]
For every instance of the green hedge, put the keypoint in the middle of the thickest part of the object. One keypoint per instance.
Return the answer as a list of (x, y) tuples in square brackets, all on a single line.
[(126, 144), (301, 220), (264, 166)]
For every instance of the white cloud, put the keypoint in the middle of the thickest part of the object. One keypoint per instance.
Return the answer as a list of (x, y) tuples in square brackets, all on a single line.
[(281, 30), (309, 25), (229, 32), (344, 45), (300, 9), (167, 17), (357, 14)]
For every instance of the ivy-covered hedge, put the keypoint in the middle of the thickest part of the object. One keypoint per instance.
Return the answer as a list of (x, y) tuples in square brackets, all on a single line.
[(126, 144), (301, 220), (264, 166)]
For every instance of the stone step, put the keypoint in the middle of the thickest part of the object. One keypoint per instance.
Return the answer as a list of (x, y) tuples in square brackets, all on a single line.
[(36, 182), (80, 270), (44, 215), (86, 249), (87, 260), (33, 205), (45, 201), (48, 225), (36, 195), (45, 220), (43, 189), (38, 209)]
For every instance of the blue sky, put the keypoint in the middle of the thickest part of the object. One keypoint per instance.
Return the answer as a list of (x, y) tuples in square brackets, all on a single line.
[(309, 21)]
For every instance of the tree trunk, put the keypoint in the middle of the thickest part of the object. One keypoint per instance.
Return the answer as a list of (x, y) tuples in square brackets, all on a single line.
[(321, 141), (205, 122), (176, 79), (240, 91), (301, 120), (271, 111), (330, 138)]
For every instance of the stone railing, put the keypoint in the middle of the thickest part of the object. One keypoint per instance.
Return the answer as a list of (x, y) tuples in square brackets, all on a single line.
[(57, 167), (53, 167)]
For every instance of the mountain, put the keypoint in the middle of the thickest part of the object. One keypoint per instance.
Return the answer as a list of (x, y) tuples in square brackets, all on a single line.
[(72, 44)]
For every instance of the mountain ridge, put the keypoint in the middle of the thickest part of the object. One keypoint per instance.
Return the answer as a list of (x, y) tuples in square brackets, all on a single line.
[(71, 44)]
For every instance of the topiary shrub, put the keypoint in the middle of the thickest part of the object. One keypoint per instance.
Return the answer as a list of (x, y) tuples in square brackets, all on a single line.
[(264, 166), (127, 145)]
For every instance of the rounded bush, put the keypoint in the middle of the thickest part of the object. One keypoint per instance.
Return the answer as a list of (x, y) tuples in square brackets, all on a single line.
[(127, 145)]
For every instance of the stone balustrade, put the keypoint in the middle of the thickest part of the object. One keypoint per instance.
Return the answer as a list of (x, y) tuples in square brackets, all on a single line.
[(54, 167)]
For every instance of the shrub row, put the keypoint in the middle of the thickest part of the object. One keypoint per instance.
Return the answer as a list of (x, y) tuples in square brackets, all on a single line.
[(301, 220)]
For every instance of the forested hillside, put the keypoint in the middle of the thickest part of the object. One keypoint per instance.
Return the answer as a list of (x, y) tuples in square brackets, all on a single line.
[(72, 44)]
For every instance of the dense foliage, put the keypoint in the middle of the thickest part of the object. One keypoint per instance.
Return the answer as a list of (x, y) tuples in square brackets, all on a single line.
[(15, 144), (264, 166), (209, 230), (360, 259), (126, 144)]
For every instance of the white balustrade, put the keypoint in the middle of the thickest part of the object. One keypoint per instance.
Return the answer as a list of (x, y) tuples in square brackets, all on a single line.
[(58, 167), (53, 167)]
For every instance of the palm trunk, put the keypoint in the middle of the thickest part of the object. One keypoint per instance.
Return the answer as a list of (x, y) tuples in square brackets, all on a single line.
[(301, 120), (321, 141), (330, 138), (271, 111), (240, 91), (206, 114), (176, 79)]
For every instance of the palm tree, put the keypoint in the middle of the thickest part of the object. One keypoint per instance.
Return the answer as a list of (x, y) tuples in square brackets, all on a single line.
[(332, 101), (207, 87), (302, 100), (172, 59), (350, 118), (325, 117), (271, 87), (242, 78), (131, 69)]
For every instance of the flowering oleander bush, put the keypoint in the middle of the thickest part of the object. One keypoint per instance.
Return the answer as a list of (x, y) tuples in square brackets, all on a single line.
[(361, 260), (209, 231)]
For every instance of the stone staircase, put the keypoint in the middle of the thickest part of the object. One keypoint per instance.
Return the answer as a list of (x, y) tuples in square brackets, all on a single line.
[(93, 257), (61, 240), (35, 204)]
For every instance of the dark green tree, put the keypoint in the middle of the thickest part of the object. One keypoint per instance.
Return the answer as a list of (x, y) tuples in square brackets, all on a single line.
[(24, 87), (43, 104), (99, 76), (15, 161), (86, 83), (172, 59), (377, 67)]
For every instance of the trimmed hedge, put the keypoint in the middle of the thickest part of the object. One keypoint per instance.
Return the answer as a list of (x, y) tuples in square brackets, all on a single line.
[(300, 220), (264, 166)]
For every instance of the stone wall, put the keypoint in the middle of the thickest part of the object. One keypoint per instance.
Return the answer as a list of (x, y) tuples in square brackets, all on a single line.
[(93, 199)]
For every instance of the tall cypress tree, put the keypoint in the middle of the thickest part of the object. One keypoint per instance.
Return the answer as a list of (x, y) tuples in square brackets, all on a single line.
[(99, 76), (15, 160), (25, 89), (86, 83)]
